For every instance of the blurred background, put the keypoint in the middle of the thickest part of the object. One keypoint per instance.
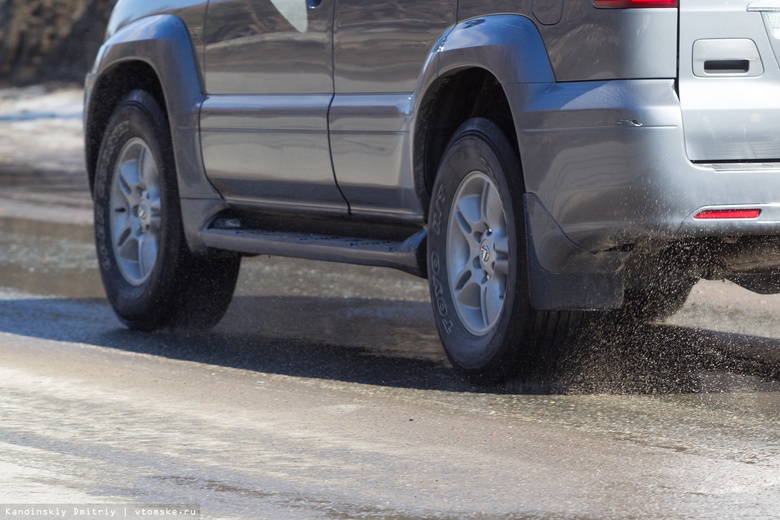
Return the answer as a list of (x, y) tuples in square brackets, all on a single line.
[(44, 41)]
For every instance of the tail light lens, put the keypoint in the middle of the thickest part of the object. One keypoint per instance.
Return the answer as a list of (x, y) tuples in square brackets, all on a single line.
[(727, 214), (629, 4)]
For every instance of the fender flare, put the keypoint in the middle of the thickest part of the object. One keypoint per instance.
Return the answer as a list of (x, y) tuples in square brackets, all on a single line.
[(163, 43), (510, 47)]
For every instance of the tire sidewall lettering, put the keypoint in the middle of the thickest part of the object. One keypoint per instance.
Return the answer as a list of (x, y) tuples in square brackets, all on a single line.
[(477, 147), (438, 294), (436, 217), (103, 181), (130, 120), (441, 306)]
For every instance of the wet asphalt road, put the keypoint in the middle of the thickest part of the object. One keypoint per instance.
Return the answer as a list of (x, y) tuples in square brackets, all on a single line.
[(324, 393)]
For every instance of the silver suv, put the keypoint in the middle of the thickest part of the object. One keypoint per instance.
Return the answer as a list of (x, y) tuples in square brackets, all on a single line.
[(532, 158)]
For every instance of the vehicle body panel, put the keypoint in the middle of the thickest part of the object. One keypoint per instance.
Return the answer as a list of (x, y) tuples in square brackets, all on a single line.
[(597, 44), (268, 47), (510, 47), (616, 169), (728, 53), (191, 12), (547, 12), (379, 50), (163, 43), (370, 138), (264, 124)]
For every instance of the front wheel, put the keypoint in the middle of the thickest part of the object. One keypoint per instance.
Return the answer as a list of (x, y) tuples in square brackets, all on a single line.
[(151, 278), (477, 260)]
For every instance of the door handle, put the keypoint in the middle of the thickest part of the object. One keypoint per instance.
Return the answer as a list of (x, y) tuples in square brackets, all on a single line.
[(727, 66), (727, 57)]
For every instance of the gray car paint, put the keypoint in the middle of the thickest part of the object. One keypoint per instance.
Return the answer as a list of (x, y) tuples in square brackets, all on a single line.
[(264, 124), (597, 44), (547, 12), (600, 126), (745, 128), (166, 46), (379, 50), (137, 31)]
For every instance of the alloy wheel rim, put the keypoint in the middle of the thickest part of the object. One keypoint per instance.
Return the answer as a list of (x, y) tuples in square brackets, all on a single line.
[(136, 212), (478, 253)]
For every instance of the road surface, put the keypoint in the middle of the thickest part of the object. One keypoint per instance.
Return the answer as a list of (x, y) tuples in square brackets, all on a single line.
[(324, 393)]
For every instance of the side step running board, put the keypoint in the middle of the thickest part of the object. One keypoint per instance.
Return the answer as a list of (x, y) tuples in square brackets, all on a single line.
[(408, 255)]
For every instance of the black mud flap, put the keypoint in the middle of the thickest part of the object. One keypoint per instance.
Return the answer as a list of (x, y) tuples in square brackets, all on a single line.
[(562, 276)]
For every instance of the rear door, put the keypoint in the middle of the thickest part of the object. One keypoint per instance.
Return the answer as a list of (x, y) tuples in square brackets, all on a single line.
[(730, 79), (264, 124), (379, 51)]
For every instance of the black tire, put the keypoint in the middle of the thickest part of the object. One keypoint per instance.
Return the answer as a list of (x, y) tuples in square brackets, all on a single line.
[(151, 278), (510, 337)]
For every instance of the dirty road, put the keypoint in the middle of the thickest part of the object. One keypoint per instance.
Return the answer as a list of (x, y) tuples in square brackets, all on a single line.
[(324, 392)]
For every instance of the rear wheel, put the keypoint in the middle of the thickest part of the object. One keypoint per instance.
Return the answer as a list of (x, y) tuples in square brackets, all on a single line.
[(151, 278), (477, 262)]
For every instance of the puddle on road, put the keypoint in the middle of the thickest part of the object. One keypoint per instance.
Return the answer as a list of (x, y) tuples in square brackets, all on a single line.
[(49, 259), (320, 311)]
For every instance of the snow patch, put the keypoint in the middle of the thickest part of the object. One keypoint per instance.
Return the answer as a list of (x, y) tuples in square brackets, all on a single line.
[(42, 128)]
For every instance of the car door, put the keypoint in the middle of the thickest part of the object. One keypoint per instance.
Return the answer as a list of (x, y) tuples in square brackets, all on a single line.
[(730, 79), (264, 128), (380, 48)]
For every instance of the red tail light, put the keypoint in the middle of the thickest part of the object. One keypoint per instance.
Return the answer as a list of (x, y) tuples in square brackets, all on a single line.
[(728, 213), (628, 4)]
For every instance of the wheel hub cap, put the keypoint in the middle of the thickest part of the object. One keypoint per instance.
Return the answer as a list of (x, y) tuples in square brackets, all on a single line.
[(145, 213), (487, 258), (478, 253), (136, 210)]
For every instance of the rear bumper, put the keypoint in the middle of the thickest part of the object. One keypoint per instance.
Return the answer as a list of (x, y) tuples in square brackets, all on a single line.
[(605, 165), (608, 162)]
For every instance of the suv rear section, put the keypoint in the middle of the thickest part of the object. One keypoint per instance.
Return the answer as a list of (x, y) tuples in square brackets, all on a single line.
[(657, 145)]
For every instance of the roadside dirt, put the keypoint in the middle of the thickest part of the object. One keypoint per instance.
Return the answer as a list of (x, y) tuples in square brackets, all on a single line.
[(50, 40)]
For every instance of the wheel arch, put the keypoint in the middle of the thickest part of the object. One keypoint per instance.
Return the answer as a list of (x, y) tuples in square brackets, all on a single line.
[(454, 99), (466, 76), (474, 71), (112, 86), (156, 54)]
